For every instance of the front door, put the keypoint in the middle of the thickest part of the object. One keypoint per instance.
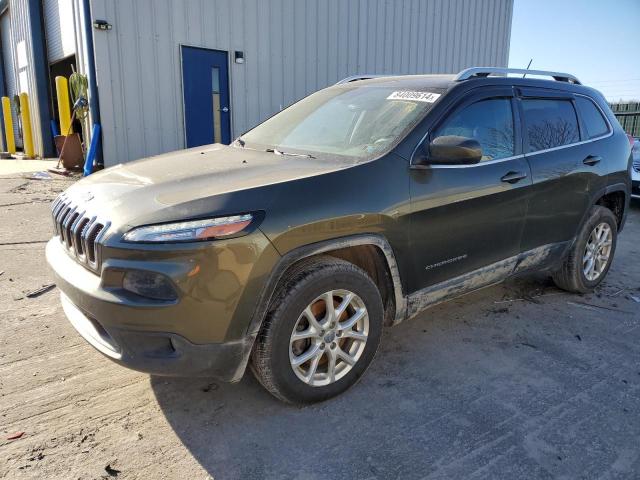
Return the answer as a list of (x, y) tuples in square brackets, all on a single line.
[(205, 79), (465, 217)]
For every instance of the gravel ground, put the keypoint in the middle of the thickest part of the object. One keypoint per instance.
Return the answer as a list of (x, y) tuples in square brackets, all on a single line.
[(515, 381)]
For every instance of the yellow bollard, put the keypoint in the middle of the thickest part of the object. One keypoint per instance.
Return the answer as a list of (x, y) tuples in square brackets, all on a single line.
[(8, 125), (1, 137), (27, 135), (64, 108)]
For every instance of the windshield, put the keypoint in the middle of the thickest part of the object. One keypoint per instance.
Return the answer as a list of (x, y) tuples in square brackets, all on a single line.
[(354, 121)]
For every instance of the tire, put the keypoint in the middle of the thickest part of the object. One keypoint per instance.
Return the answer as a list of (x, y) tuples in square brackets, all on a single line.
[(300, 296), (571, 276)]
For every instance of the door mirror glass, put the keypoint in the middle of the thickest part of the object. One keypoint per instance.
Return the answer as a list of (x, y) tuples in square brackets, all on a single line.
[(454, 150)]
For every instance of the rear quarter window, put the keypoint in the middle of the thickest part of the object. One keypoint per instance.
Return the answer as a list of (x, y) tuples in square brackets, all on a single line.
[(550, 123), (592, 118)]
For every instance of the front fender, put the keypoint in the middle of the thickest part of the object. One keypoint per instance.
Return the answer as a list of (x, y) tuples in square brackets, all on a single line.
[(306, 251)]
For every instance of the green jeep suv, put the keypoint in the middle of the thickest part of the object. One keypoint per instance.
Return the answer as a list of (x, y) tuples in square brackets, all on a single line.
[(355, 208)]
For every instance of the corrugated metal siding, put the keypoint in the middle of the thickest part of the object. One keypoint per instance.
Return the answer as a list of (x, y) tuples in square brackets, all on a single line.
[(80, 47), (59, 29), (21, 70), (9, 69), (291, 47), (23, 66)]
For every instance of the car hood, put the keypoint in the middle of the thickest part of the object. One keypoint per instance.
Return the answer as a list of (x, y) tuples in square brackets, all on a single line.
[(210, 180)]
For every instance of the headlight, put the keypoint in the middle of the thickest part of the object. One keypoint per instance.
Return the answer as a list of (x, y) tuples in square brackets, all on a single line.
[(190, 231)]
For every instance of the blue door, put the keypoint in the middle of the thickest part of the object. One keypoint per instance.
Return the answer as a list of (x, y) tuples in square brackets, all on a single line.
[(205, 83)]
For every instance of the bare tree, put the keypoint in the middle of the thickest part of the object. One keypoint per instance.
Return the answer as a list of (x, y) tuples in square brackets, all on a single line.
[(552, 133), (499, 142)]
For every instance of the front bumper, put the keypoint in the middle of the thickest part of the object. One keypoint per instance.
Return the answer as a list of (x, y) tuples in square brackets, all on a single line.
[(202, 333), (161, 353)]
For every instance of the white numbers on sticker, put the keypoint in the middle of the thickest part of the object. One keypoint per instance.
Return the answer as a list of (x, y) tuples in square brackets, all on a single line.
[(415, 96)]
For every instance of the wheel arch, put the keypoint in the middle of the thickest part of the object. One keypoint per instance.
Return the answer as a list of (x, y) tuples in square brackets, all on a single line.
[(616, 198), (371, 252)]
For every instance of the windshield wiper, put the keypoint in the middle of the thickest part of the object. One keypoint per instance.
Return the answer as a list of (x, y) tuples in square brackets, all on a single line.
[(280, 152), (240, 141)]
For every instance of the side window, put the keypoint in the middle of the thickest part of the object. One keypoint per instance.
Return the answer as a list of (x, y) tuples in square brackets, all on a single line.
[(592, 118), (550, 123), (490, 122)]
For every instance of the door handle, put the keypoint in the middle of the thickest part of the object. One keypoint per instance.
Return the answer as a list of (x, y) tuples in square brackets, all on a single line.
[(591, 160), (513, 177)]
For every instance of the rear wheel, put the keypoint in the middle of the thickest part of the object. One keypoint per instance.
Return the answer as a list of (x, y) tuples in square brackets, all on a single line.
[(321, 333), (590, 257)]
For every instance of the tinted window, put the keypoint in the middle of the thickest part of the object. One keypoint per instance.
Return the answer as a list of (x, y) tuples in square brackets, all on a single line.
[(592, 118), (490, 122), (550, 123)]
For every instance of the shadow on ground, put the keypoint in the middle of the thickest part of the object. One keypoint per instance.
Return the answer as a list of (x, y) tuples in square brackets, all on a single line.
[(481, 386), (544, 386)]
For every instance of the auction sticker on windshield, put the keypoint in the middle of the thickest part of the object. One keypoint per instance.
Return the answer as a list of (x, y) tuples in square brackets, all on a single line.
[(415, 96)]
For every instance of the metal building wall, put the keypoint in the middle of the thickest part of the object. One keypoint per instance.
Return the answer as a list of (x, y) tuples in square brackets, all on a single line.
[(82, 57), (24, 64), (9, 70), (59, 29), (291, 48)]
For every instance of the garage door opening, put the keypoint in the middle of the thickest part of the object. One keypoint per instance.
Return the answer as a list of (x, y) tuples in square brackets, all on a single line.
[(62, 68)]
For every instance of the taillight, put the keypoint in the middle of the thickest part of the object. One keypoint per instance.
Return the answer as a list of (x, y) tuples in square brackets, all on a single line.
[(631, 139)]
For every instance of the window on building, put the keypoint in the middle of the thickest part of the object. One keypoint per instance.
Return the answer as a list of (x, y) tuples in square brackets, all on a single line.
[(490, 122), (550, 123), (592, 118)]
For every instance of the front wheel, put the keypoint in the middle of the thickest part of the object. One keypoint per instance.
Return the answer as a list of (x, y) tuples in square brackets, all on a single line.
[(590, 257), (321, 333)]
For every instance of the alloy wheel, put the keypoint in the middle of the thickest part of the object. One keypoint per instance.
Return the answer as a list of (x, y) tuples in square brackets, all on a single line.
[(329, 337), (597, 252)]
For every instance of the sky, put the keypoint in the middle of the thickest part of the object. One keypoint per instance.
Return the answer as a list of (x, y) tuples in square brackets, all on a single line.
[(598, 41)]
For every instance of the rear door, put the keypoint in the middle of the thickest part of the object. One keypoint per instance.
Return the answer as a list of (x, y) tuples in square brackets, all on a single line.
[(465, 217), (561, 167), (595, 153)]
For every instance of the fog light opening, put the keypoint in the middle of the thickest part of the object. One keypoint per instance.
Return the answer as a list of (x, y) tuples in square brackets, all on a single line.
[(103, 335), (149, 284)]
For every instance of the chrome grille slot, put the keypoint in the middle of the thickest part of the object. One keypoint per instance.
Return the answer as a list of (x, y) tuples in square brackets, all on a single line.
[(68, 221), (79, 232), (55, 208), (636, 164), (92, 235), (84, 234), (77, 236), (60, 221)]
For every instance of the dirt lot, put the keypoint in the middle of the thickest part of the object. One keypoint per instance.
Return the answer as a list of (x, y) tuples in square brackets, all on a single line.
[(516, 381)]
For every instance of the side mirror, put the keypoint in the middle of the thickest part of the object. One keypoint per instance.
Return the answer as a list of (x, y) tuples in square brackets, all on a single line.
[(453, 150)]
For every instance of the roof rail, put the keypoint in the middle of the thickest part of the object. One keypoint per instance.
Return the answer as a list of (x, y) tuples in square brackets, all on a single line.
[(486, 71), (355, 78)]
